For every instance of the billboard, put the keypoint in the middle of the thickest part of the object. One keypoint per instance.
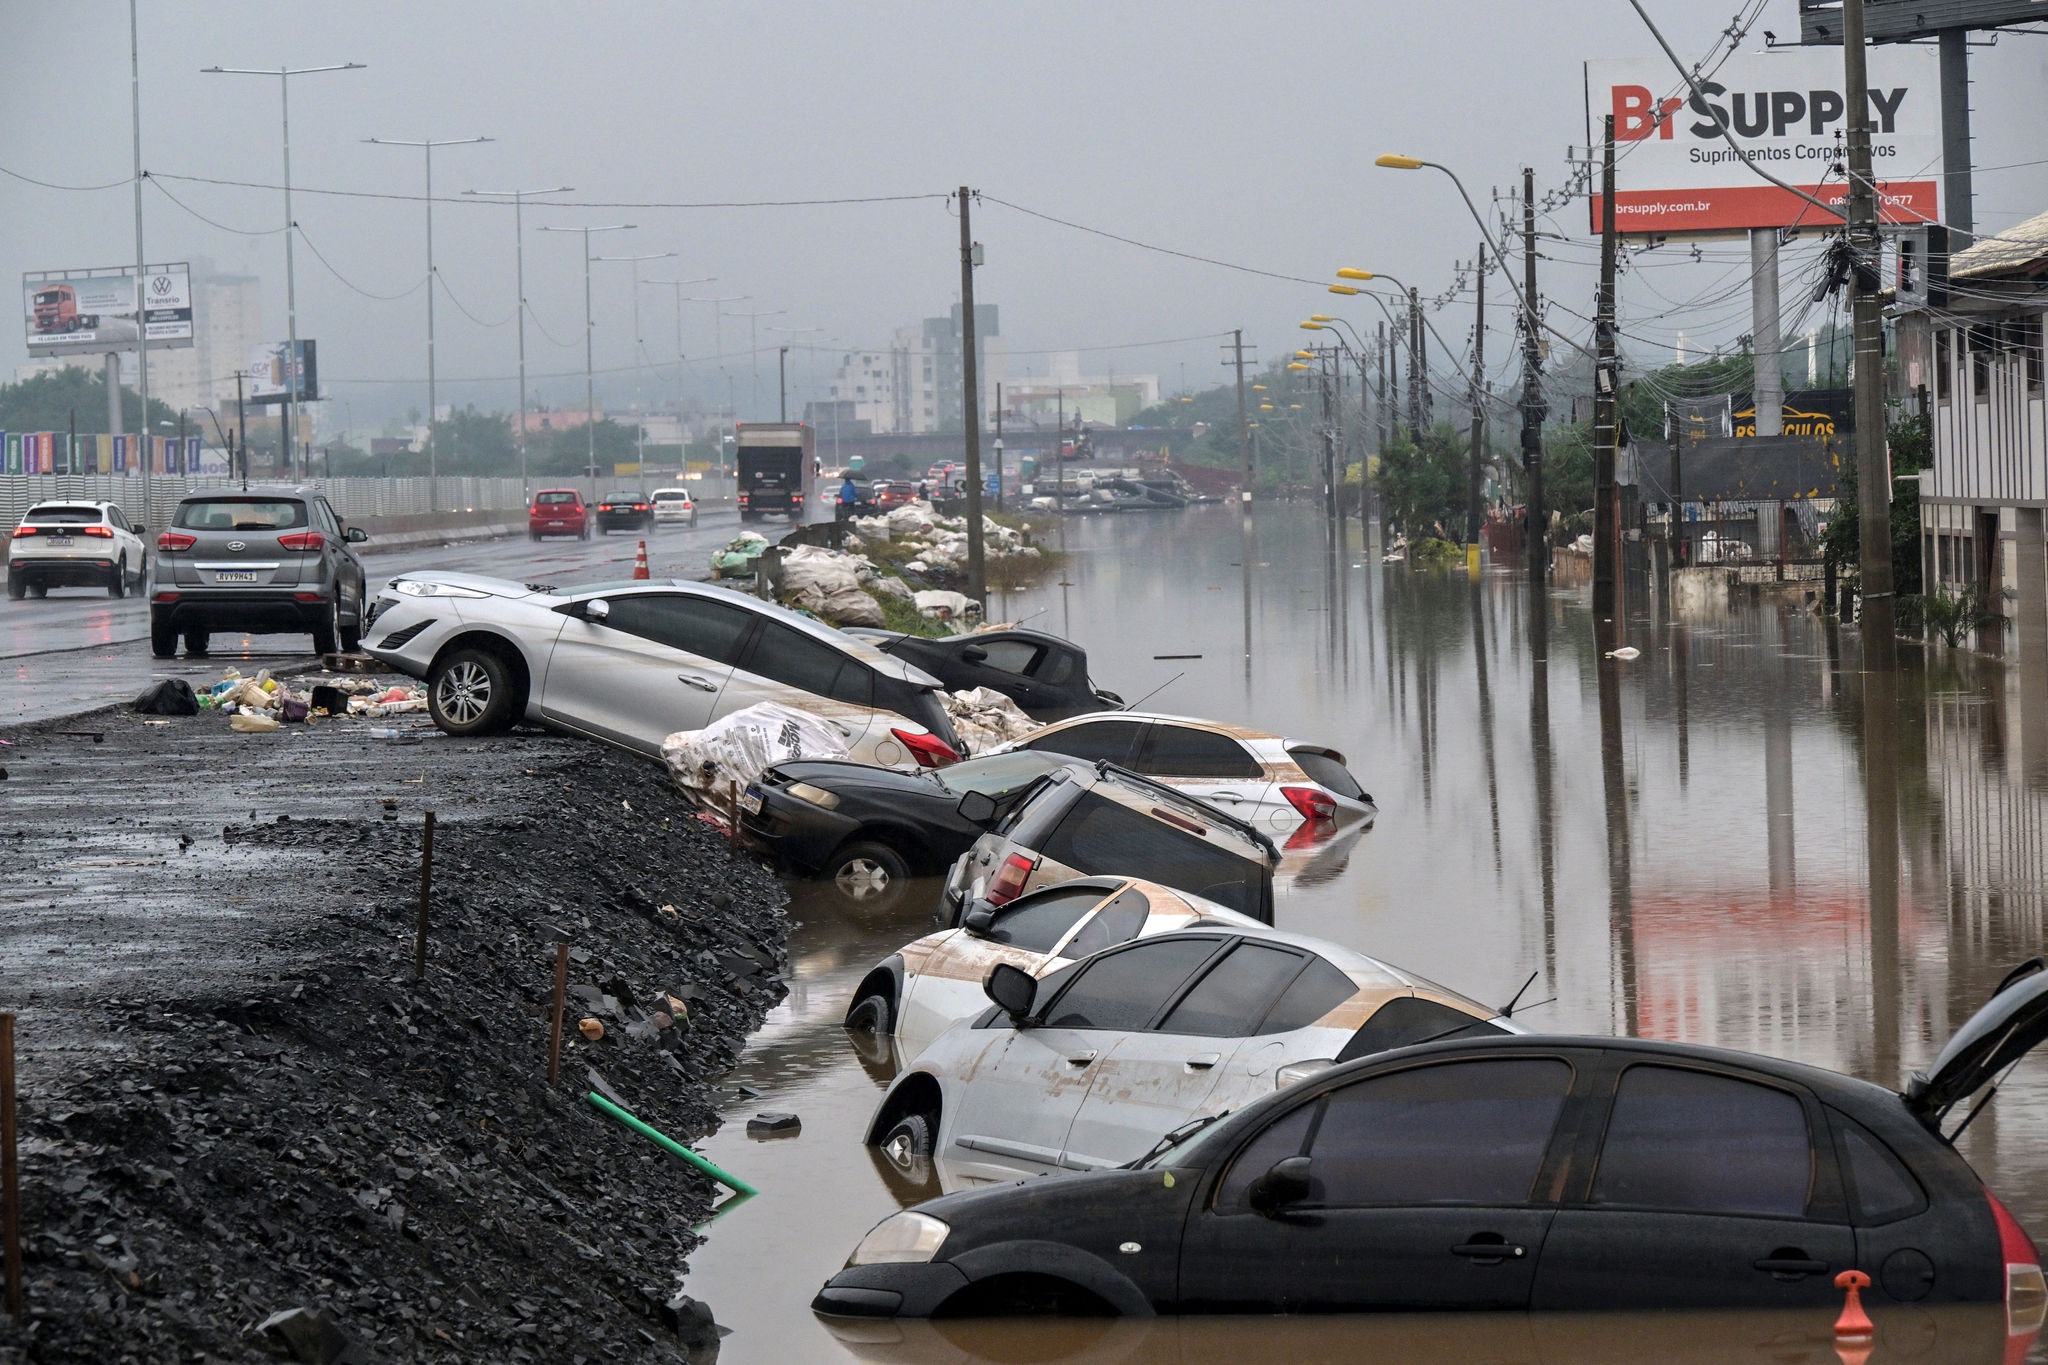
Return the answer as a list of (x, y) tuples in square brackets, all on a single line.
[(271, 373), (69, 312), (1675, 173)]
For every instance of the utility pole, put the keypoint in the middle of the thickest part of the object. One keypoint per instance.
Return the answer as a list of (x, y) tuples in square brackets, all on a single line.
[(1415, 367), (999, 443), (589, 346), (1473, 476), (518, 198), (242, 430), (141, 270), (970, 408), (782, 383), (1606, 433), (1386, 409), (1329, 441), (1244, 434), (1873, 457), (1538, 529)]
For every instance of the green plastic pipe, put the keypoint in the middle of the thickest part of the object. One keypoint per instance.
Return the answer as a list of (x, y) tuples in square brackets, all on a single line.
[(670, 1145)]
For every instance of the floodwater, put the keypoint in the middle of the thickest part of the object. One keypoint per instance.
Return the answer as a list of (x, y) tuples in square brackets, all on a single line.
[(1678, 846)]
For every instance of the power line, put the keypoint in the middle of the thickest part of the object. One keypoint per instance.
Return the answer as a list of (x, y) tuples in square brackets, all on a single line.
[(1148, 246)]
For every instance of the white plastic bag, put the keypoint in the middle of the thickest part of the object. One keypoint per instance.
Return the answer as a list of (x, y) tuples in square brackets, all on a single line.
[(735, 748), (984, 718)]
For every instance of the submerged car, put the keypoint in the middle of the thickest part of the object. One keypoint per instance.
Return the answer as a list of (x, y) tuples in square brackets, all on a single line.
[(1089, 1067), (869, 831), (1516, 1173), (261, 561), (1276, 781), (635, 662), (924, 988), (1100, 820), (75, 543), (1046, 676)]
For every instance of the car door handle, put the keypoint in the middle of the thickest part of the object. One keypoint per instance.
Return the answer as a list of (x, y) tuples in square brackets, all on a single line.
[(701, 684), (1791, 1263), (1488, 1251), (1204, 1061), (1225, 796), (1081, 1058)]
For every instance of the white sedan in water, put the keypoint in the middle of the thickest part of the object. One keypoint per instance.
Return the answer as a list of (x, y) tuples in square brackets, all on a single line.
[(635, 662)]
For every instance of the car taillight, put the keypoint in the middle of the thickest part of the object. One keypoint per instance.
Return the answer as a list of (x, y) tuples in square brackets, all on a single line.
[(1009, 880), (104, 533), (165, 597), (2026, 1292), (929, 750), (175, 540), (639, 507), (302, 540), (796, 497), (21, 531), (1312, 803), (743, 499)]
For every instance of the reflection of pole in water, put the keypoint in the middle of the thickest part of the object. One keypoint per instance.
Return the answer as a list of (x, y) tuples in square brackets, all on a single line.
[(1539, 746), (1614, 787), (1681, 668), (1486, 719), (1245, 554), (1881, 844), (1778, 781)]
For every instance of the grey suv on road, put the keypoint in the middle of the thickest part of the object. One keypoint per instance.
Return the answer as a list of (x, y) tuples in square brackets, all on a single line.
[(261, 561)]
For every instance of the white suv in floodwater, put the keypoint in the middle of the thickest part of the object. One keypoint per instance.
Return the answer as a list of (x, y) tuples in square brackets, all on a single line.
[(75, 544)]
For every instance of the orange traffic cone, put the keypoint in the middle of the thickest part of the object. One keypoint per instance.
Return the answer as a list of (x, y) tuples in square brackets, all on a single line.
[(640, 562), (1854, 1326)]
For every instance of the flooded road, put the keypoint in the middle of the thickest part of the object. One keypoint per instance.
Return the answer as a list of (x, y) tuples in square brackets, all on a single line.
[(1678, 846)]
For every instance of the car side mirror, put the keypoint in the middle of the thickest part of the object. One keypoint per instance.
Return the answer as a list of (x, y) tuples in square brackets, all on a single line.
[(979, 919), (596, 609), (974, 654), (1286, 1183), (139, 529), (356, 535), (977, 808), (1013, 989)]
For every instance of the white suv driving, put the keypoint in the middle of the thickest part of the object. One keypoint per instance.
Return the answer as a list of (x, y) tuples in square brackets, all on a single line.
[(75, 544)]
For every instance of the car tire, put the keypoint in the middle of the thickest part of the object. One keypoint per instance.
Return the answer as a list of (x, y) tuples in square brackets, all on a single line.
[(352, 632), (872, 1013), (327, 634), (17, 586), (869, 875), (470, 693), (196, 642), (117, 579), (913, 1135), (163, 637)]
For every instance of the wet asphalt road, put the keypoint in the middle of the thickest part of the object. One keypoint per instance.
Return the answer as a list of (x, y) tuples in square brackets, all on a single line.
[(77, 648)]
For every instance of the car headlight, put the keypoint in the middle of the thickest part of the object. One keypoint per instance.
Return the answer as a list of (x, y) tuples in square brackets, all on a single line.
[(817, 796), (412, 587), (901, 1238)]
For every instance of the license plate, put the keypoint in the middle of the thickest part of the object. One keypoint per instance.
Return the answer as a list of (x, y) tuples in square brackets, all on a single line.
[(750, 801), (238, 576), (60, 540)]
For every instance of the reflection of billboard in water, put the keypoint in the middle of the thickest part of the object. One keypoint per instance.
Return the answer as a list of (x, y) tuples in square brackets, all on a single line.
[(66, 312), (270, 373)]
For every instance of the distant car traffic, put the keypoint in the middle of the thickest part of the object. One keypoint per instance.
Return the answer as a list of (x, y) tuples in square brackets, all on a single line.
[(558, 512), (869, 831), (924, 988), (673, 507), (259, 561), (1091, 1066), (1277, 782), (1503, 1173), (889, 494), (1099, 821), (624, 512), (634, 662), (1046, 676), (74, 543)]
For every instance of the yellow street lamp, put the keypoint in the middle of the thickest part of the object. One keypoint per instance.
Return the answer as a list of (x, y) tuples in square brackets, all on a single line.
[(1346, 289), (1311, 326), (1295, 406), (1306, 355), (1260, 387), (1296, 365), (1265, 407), (1394, 161), (1350, 273), (1320, 317)]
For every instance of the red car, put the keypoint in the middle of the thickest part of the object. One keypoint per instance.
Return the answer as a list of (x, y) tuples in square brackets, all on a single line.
[(894, 493), (558, 512)]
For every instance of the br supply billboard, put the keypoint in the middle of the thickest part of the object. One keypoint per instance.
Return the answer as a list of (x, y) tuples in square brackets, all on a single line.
[(72, 312), (271, 373), (1675, 173)]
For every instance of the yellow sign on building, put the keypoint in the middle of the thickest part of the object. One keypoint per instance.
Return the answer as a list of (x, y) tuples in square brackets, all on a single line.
[(628, 470)]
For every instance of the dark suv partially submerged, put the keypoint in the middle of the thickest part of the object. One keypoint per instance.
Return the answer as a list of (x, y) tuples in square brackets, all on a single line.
[(258, 561)]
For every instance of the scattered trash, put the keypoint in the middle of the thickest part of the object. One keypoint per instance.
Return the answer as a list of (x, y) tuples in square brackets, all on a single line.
[(96, 736), (774, 1124), (941, 605), (329, 700), (1625, 653), (170, 697), (984, 717), (736, 560), (590, 1028), (735, 748), (252, 722)]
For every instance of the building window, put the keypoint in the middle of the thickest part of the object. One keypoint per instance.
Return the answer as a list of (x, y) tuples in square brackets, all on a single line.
[(2024, 336), (1983, 344), (1943, 358)]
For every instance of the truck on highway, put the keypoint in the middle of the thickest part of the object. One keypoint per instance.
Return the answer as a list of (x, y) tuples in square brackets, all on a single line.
[(776, 460)]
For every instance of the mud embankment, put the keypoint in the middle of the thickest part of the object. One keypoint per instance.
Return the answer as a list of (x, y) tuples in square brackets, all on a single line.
[(236, 1099)]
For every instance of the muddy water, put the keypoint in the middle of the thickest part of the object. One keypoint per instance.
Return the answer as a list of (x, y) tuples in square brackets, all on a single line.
[(1677, 846)]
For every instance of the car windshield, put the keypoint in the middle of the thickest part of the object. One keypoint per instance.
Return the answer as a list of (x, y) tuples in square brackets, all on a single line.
[(63, 516), (1327, 768), (240, 514), (997, 774), (1179, 1147)]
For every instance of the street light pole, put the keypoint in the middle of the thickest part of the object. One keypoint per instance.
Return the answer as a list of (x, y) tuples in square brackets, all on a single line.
[(589, 332), (682, 446), (638, 343), (141, 270), (427, 145), (518, 198), (294, 370)]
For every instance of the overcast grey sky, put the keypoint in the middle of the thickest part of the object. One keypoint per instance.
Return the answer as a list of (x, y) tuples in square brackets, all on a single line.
[(1236, 132)]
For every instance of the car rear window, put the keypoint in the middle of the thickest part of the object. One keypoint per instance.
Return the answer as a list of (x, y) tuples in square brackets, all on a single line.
[(1037, 922), (1407, 1020), (1102, 837), (1703, 1143), (1882, 1186), (997, 774), (554, 499), (241, 514), (63, 516), (1118, 922), (1327, 769), (1314, 994), (671, 497)]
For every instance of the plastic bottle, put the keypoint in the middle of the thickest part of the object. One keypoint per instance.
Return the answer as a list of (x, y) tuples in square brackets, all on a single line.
[(383, 732)]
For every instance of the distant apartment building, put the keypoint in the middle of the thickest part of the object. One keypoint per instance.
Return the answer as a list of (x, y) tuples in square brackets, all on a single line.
[(914, 384), (1095, 400)]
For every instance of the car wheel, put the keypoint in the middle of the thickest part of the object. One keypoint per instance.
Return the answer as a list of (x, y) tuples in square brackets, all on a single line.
[(869, 875), (352, 633), (117, 580), (196, 641), (163, 637), (17, 586), (909, 1137), (327, 634), (469, 693), (871, 1014)]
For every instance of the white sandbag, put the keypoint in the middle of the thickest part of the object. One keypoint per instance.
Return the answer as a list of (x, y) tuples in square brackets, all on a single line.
[(913, 520), (984, 718), (735, 748), (941, 605), (891, 587)]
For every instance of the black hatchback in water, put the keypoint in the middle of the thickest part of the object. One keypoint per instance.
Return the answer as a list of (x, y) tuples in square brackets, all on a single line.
[(1505, 1173)]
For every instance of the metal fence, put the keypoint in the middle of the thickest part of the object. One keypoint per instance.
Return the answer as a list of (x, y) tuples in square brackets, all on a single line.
[(355, 499)]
